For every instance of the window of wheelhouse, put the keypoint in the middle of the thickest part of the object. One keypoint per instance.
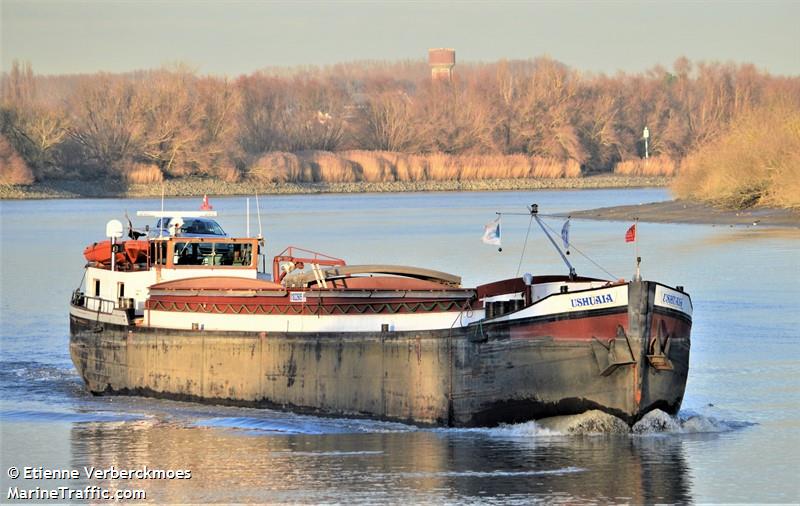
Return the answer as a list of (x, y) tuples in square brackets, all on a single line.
[(190, 253), (228, 254), (158, 252), (235, 254), (97, 288)]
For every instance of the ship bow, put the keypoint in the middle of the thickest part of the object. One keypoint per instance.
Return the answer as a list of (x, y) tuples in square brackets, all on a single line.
[(660, 329)]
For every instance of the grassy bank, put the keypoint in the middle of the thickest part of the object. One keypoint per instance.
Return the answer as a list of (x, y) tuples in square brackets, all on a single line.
[(191, 187), (756, 163)]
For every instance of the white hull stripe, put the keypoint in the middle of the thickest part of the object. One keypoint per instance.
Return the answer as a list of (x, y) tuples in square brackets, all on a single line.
[(561, 303), (673, 299)]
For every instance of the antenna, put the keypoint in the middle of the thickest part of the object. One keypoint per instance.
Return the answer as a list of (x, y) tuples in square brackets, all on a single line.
[(161, 220), (261, 254), (638, 275), (258, 215)]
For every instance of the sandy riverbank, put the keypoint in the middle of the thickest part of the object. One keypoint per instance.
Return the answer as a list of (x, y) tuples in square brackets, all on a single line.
[(683, 211), (192, 187)]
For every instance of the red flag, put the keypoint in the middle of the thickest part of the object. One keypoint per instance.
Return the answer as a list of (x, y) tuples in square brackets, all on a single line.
[(630, 235), (206, 206)]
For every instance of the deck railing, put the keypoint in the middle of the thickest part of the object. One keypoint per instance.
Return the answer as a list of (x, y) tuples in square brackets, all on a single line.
[(97, 304)]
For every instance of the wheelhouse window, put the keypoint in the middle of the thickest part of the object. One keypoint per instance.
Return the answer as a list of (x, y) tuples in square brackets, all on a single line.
[(231, 254), (205, 227), (158, 252), (192, 227)]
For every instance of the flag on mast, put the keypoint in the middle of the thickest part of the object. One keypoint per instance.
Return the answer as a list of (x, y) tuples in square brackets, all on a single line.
[(565, 234), (630, 235), (491, 232)]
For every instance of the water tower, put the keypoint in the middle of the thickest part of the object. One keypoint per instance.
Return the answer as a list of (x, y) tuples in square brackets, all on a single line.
[(442, 62)]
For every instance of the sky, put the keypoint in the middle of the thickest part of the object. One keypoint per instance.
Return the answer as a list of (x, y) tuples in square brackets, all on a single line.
[(239, 37)]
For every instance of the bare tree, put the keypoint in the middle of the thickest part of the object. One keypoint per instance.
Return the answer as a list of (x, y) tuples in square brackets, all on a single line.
[(388, 122), (220, 105), (317, 115), (107, 121), (264, 111), (34, 127), (171, 120), (546, 109)]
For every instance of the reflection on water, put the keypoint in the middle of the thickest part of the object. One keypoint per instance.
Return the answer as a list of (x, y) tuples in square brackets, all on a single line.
[(420, 465), (744, 286), (732, 235)]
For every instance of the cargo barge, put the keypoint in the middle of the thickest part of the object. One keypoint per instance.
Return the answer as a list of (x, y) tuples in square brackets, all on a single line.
[(189, 313)]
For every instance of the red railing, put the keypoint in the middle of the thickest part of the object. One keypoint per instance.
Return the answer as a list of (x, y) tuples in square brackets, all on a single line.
[(290, 254)]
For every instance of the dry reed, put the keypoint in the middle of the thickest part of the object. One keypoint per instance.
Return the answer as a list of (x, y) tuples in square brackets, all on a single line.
[(324, 166), (142, 173), (553, 168), (411, 167), (373, 166), (443, 167), (276, 167), (655, 166), (757, 162), (572, 169), (384, 166), (227, 172), (13, 169)]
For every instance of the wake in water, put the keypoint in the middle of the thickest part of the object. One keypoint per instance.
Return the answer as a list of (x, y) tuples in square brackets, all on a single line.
[(23, 379), (657, 421), (40, 416), (597, 422), (264, 422), (654, 422)]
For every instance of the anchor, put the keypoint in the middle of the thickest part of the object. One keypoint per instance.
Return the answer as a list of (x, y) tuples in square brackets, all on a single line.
[(658, 355), (616, 353)]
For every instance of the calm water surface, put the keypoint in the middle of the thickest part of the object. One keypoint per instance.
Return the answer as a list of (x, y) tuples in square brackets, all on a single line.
[(742, 401)]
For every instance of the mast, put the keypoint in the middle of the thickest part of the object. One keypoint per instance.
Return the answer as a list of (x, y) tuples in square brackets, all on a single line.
[(534, 208)]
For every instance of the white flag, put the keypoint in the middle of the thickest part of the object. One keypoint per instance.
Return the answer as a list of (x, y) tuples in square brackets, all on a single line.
[(491, 232), (565, 234)]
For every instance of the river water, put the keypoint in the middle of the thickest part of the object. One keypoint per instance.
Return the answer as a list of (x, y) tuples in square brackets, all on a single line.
[(736, 438)]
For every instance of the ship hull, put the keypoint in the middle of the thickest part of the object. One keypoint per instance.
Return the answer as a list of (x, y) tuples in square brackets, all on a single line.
[(624, 360)]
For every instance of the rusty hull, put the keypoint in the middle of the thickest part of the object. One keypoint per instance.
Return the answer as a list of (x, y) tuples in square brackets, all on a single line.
[(480, 375)]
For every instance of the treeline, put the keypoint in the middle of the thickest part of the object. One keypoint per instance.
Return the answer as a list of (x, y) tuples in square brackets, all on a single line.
[(371, 120)]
